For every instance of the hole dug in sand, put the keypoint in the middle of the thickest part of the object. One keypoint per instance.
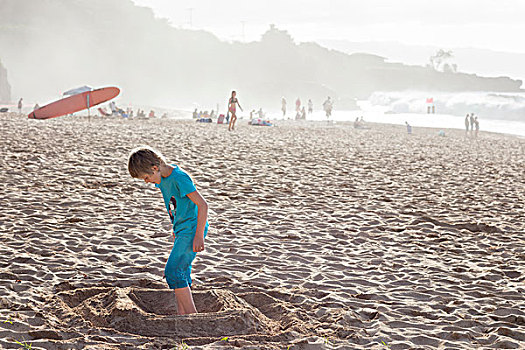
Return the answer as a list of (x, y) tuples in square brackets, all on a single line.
[(152, 312)]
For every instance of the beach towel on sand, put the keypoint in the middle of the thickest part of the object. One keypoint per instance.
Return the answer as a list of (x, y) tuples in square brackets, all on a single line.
[(260, 122), (204, 120)]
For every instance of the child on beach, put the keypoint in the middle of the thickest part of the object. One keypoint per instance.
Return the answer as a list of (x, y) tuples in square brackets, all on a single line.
[(188, 212)]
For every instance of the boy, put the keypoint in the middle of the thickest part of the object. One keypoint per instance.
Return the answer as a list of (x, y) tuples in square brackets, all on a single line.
[(188, 212)]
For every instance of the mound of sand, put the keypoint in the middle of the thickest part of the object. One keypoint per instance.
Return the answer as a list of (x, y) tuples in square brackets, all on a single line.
[(152, 312)]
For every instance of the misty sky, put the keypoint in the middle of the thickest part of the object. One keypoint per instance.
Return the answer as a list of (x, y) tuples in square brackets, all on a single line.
[(489, 24)]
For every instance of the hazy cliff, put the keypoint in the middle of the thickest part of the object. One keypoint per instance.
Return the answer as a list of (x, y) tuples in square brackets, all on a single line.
[(5, 88), (54, 45)]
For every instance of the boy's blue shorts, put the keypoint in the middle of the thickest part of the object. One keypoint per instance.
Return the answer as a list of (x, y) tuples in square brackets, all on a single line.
[(178, 266)]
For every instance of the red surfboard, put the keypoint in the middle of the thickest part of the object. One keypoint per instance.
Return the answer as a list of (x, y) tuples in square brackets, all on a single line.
[(75, 103)]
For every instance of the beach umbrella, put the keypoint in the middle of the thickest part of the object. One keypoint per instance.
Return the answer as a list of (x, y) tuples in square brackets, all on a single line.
[(75, 103), (77, 90)]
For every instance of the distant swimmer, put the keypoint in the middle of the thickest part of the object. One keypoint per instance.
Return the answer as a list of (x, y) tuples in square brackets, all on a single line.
[(310, 106), (466, 124), (283, 106), (232, 108)]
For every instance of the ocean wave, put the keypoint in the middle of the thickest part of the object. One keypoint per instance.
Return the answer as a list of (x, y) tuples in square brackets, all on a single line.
[(488, 105)]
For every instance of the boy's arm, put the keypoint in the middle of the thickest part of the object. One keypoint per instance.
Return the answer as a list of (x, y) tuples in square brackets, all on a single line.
[(202, 217)]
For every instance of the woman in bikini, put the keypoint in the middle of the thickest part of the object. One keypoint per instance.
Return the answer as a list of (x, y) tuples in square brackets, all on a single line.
[(231, 108)]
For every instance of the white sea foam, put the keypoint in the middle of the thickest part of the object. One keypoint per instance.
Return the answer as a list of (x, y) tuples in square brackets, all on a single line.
[(383, 114), (487, 105), (497, 112)]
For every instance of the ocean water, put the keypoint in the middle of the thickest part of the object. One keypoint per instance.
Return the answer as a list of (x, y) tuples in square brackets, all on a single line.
[(488, 105), (445, 121), (495, 113), (379, 115)]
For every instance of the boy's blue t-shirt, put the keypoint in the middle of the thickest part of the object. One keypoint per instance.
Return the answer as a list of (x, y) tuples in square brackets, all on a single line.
[(182, 211)]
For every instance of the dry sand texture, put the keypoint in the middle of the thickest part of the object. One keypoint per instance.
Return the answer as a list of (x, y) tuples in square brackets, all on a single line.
[(322, 237)]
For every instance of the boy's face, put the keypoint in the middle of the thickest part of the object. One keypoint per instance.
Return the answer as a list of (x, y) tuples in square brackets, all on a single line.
[(153, 178)]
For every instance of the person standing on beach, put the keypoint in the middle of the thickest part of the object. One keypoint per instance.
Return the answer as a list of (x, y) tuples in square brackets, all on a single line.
[(409, 128), (310, 106), (476, 125), (188, 213), (327, 106), (20, 105), (298, 115), (283, 106), (232, 103), (298, 105), (466, 124), (113, 107), (472, 123)]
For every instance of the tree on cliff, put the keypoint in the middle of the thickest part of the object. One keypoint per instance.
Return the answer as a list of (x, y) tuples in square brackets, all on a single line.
[(441, 61)]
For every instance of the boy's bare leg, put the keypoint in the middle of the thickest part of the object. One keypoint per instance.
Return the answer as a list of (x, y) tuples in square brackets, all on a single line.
[(185, 303), (180, 307)]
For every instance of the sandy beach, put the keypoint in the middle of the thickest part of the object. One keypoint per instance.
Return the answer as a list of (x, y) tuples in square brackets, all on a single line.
[(321, 236)]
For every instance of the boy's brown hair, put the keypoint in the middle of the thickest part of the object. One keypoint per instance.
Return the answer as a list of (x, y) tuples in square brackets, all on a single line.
[(142, 159)]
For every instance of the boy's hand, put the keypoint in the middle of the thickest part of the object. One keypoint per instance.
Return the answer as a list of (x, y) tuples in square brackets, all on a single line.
[(198, 243)]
